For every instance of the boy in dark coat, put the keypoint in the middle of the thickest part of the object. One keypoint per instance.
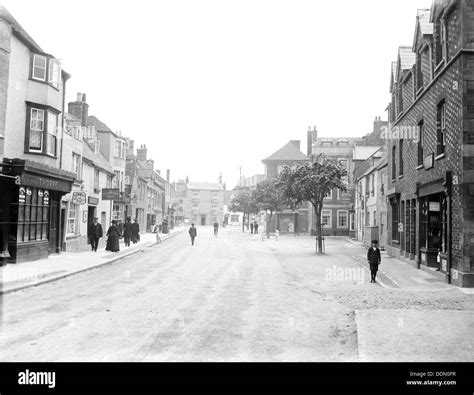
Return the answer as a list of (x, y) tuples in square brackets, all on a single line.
[(192, 233), (135, 231), (373, 256)]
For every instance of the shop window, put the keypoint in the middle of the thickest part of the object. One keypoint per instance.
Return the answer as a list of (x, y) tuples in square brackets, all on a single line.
[(33, 214), (72, 214), (395, 207)]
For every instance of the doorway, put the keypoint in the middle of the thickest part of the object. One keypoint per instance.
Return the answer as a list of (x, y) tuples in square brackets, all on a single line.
[(54, 226), (203, 220), (90, 218)]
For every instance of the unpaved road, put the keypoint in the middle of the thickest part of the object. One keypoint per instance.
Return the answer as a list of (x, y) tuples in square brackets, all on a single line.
[(230, 298)]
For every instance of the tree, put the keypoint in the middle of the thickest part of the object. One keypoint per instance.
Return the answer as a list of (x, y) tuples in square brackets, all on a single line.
[(311, 183), (269, 197), (244, 202)]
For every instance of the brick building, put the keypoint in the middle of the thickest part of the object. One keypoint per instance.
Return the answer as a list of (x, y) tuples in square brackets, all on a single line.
[(431, 149), (288, 220)]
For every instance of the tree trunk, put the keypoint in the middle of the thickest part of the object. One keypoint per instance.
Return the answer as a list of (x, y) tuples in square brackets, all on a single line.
[(243, 222), (268, 224), (248, 221), (296, 224), (319, 231)]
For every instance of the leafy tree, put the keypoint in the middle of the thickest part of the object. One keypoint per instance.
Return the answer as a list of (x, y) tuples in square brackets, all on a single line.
[(244, 202), (311, 183), (269, 197)]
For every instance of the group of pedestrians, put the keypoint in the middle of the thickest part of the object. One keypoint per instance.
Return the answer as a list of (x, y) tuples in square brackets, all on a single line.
[(254, 227), (129, 231)]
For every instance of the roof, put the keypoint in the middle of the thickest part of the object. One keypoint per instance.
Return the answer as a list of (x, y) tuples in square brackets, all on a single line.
[(26, 38), (206, 186), (406, 57), (288, 152), (423, 25), (97, 123), (97, 159), (424, 18), (364, 152)]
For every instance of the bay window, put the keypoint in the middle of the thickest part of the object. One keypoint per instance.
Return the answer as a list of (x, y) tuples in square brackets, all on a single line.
[(36, 130), (46, 69), (52, 133), (41, 130)]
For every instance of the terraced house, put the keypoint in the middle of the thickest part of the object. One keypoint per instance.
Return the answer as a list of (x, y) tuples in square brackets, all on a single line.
[(32, 90), (430, 189)]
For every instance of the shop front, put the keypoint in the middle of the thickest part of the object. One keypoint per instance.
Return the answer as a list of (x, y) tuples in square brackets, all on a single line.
[(30, 212), (434, 224)]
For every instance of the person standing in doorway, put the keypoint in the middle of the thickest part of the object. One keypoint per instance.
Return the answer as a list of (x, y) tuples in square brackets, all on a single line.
[(95, 233), (192, 233), (373, 256), (135, 231), (127, 231)]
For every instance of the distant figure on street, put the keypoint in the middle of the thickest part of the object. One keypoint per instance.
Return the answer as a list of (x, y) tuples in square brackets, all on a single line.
[(255, 227), (216, 228), (277, 233), (135, 231), (127, 232), (192, 233), (251, 227), (113, 236), (95, 233), (120, 227), (373, 256)]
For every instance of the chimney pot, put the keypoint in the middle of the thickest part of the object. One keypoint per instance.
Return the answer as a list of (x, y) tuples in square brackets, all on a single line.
[(84, 97), (79, 96)]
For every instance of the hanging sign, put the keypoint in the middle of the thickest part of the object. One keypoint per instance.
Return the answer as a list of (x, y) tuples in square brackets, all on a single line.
[(79, 198)]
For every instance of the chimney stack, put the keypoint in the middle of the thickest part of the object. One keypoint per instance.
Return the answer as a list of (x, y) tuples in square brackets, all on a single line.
[(168, 175), (79, 109), (141, 153)]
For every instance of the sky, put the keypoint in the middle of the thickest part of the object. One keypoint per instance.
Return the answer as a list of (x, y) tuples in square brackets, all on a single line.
[(215, 86)]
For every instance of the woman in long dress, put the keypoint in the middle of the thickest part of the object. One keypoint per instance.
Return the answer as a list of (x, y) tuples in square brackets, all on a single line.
[(113, 235)]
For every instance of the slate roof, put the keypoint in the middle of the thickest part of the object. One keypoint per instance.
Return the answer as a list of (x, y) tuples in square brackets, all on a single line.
[(407, 57), (205, 186), (364, 152), (97, 123), (97, 159), (424, 18), (288, 152)]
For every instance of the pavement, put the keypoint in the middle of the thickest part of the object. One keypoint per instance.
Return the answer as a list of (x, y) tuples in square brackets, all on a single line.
[(237, 297), (14, 277)]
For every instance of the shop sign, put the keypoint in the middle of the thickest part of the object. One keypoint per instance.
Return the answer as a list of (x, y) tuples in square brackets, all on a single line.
[(93, 200), (110, 194), (43, 182), (428, 162), (79, 198), (434, 206)]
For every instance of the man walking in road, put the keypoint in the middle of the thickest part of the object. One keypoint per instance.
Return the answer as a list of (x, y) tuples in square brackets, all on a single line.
[(192, 233), (251, 227), (95, 233), (216, 228), (127, 231), (373, 256), (255, 227)]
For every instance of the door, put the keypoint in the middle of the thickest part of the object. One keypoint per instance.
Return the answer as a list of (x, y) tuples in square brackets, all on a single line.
[(203, 220), (53, 226), (90, 219)]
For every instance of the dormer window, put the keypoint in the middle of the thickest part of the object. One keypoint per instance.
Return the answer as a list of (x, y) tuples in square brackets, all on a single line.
[(46, 69)]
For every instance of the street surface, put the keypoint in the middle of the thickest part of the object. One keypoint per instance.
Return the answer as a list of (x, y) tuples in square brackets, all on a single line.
[(234, 298)]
